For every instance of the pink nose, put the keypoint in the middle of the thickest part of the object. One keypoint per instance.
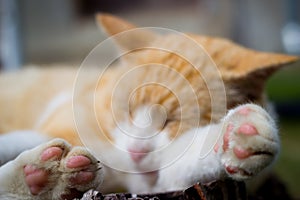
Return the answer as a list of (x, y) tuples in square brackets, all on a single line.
[(137, 155)]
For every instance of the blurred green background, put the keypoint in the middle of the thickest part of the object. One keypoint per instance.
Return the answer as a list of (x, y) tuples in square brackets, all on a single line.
[(284, 90)]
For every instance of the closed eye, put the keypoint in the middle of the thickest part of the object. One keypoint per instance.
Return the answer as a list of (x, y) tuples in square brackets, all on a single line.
[(168, 120)]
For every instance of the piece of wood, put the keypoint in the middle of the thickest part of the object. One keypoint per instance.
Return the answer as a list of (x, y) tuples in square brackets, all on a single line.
[(225, 189)]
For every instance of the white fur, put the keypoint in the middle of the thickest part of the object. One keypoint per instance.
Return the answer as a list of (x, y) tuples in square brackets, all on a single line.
[(14, 143), (191, 159)]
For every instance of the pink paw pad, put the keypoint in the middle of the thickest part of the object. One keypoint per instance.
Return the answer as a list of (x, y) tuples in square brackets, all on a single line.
[(78, 162), (231, 170), (36, 179), (226, 137), (241, 153), (247, 129), (51, 152), (82, 177)]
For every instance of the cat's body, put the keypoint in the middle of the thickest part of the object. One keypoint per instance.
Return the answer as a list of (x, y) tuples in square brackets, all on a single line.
[(156, 122)]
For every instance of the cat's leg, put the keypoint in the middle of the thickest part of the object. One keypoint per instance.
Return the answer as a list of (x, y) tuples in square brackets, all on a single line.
[(241, 146), (193, 160), (14, 143), (249, 143), (52, 170)]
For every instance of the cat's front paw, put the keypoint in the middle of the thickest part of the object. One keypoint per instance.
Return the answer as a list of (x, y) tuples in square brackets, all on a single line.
[(55, 170), (250, 141)]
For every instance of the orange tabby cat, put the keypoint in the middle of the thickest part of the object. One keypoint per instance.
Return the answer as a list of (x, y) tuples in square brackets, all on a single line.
[(166, 117)]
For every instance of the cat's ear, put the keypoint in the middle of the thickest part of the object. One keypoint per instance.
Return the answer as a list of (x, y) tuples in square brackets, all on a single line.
[(243, 70), (127, 35), (237, 62)]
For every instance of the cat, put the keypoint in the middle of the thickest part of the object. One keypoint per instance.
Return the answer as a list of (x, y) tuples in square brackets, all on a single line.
[(166, 117)]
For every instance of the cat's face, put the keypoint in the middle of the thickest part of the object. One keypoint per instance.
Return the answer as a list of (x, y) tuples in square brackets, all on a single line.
[(174, 85)]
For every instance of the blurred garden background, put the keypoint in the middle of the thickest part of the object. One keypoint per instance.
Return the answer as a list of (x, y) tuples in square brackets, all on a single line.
[(63, 31)]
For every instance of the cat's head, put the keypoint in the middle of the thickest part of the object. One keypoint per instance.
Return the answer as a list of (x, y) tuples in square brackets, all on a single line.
[(243, 71)]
